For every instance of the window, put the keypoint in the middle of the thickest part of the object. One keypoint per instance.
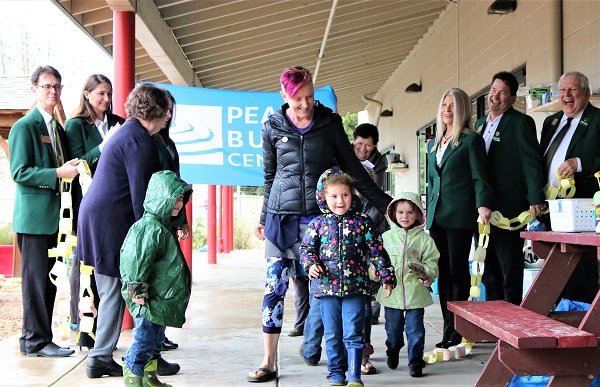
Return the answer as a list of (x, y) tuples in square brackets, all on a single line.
[(424, 134)]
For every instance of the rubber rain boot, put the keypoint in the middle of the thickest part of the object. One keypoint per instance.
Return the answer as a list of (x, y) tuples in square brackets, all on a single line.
[(131, 379), (150, 378), (354, 362)]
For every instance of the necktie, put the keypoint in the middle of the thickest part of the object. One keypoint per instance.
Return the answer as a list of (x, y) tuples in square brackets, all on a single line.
[(549, 155), (58, 155)]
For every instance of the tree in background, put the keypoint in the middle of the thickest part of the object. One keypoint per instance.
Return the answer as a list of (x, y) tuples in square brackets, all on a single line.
[(350, 122)]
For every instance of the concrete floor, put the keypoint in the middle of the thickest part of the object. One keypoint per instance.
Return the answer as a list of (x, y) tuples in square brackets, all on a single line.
[(222, 340)]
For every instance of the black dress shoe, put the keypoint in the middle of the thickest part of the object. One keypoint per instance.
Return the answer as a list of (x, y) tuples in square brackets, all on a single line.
[(164, 368), (97, 368), (440, 344), (22, 348), (52, 350), (450, 343), (168, 345)]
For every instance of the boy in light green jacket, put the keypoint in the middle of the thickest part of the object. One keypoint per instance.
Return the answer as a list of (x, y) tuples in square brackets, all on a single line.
[(408, 246)]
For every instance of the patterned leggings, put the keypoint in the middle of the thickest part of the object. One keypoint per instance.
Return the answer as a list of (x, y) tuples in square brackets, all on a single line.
[(279, 271)]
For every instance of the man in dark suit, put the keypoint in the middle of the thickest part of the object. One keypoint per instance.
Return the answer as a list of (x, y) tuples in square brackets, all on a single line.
[(515, 170), (575, 153), (38, 153)]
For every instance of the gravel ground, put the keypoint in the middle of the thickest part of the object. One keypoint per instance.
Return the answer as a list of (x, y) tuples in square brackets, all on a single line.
[(11, 308)]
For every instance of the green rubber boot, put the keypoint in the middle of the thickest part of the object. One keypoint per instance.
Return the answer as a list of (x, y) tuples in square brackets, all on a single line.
[(131, 379), (150, 378)]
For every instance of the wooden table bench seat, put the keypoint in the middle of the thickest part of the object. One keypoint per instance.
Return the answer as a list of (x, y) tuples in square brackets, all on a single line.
[(516, 326), (531, 339)]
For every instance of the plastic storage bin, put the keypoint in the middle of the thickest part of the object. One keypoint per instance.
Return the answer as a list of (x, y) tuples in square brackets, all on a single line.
[(571, 215)]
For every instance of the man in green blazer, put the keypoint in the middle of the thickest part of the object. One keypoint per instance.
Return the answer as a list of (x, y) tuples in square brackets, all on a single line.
[(515, 169), (578, 155), (38, 152)]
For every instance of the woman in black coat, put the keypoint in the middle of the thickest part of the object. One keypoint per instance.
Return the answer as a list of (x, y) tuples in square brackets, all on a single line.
[(300, 141)]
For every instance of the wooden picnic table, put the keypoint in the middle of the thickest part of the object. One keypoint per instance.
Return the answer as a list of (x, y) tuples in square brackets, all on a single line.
[(533, 340)]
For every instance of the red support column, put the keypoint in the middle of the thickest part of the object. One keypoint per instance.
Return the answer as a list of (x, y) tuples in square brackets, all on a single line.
[(211, 224), (230, 218), (124, 63), (225, 228), (186, 244), (220, 220), (123, 58)]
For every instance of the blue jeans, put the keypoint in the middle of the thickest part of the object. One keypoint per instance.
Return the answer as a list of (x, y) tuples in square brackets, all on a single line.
[(344, 321), (147, 342), (313, 328), (411, 320)]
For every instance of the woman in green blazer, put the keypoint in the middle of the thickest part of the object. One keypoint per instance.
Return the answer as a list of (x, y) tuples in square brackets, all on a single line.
[(458, 192), (89, 128)]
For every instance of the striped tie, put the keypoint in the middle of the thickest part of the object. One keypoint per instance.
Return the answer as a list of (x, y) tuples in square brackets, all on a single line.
[(58, 155)]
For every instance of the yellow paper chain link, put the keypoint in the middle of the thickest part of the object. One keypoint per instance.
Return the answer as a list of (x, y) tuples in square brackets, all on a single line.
[(442, 354), (66, 242)]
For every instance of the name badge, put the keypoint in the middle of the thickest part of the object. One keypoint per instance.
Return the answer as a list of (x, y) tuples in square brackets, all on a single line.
[(496, 136), (46, 140)]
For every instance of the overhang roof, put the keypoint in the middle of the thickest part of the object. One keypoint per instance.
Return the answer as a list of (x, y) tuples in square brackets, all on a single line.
[(245, 44)]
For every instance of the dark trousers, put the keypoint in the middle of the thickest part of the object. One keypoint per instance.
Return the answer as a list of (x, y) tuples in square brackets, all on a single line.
[(301, 286), (503, 274), (38, 292), (583, 284), (84, 339), (454, 282)]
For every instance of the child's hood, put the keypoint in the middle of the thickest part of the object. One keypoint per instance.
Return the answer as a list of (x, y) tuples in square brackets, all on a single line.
[(410, 196), (320, 194), (163, 190)]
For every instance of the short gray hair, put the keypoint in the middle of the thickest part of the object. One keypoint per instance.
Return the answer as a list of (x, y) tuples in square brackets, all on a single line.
[(584, 83)]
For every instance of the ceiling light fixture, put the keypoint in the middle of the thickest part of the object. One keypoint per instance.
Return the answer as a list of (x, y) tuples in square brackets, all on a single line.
[(413, 88), (502, 7)]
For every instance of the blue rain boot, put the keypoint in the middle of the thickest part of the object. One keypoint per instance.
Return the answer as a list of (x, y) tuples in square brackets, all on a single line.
[(354, 361)]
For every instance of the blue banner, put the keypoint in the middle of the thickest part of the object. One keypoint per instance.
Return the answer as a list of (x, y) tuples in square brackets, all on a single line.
[(217, 132)]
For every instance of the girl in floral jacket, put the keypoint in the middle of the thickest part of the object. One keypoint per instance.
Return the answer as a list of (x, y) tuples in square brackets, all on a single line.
[(336, 249)]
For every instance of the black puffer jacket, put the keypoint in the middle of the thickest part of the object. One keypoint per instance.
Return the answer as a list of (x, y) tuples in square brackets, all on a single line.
[(293, 163)]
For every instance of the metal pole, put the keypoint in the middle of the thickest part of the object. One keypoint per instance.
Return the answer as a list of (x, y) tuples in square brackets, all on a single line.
[(211, 224), (186, 244)]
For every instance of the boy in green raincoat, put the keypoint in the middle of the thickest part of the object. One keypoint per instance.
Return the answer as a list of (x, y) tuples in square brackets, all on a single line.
[(156, 279)]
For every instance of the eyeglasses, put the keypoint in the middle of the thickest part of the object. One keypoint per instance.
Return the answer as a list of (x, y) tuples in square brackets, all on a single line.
[(47, 88)]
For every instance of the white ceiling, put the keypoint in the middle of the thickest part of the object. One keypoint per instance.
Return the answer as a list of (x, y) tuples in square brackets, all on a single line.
[(245, 44)]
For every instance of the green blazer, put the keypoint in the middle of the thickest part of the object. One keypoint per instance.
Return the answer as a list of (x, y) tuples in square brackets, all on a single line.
[(460, 185), (585, 144), (84, 138), (514, 164), (33, 168)]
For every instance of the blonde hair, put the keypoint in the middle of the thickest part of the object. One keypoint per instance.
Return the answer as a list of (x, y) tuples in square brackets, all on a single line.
[(462, 115)]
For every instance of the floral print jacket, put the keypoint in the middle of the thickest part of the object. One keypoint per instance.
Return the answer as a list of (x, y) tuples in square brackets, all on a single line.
[(344, 246)]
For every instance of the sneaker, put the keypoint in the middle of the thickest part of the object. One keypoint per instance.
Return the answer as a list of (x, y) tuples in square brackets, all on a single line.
[(308, 362), (337, 380), (296, 332), (416, 372), (392, 360)]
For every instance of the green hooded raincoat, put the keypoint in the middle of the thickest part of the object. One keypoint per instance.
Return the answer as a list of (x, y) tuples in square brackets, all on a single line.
[(151, 254)]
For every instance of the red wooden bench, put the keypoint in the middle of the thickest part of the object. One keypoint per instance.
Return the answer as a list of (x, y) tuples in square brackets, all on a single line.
[(517, 326)]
